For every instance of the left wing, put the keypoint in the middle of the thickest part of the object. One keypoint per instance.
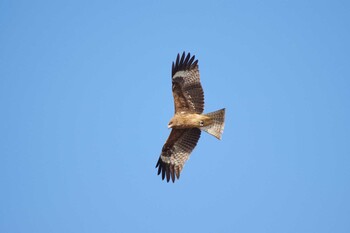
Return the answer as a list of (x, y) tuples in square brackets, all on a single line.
[(176, 151), (187, 89)]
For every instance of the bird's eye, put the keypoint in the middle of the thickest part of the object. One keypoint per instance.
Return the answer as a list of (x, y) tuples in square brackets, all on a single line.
[(201, 123)]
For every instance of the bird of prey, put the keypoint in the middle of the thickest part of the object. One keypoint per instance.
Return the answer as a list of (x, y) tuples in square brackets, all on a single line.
[(188, 120)]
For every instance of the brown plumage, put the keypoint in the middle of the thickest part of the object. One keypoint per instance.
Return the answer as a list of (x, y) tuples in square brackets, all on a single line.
[(188, 120)]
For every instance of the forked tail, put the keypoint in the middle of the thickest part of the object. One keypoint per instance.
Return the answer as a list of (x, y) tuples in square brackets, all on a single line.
[(216, 128)]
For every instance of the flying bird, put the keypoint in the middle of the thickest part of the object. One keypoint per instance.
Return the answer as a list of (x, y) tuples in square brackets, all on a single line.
[(188, 120)]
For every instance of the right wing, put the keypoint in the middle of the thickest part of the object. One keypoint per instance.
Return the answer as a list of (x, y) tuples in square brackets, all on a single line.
[(176, 151)]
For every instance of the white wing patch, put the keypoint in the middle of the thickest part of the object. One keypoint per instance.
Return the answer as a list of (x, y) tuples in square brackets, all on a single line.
[(181, 73)]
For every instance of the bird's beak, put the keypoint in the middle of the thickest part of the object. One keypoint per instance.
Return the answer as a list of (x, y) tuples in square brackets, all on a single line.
[(169, 126)]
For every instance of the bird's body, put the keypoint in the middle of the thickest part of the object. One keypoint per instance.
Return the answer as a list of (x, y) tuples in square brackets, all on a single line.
[(188, 120)]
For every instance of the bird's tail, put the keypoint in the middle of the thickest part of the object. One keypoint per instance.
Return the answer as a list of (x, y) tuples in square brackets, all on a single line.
[(216, 128)]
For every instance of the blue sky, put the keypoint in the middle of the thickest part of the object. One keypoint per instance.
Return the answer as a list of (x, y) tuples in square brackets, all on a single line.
[(85, 97)]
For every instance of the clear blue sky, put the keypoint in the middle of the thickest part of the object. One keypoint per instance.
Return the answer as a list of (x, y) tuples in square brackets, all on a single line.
[(85, 98)]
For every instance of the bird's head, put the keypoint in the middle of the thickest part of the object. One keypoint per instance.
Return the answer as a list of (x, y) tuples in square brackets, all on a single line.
[(171, 124)]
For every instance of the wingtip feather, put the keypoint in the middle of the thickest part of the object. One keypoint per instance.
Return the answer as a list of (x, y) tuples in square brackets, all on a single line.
[(184, 62)]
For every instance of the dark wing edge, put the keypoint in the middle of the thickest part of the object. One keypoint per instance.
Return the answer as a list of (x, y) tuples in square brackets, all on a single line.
[(187, 89), (176, 152), (183, 63)]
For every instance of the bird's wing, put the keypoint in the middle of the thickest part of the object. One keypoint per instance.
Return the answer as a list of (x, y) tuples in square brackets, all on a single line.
[(187, 89), (176, 151)]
